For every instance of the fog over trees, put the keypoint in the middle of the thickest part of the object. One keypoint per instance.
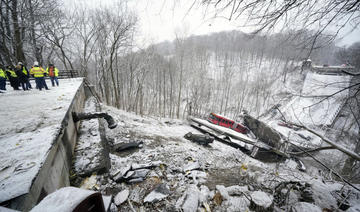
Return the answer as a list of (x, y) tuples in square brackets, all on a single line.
[(224, 72)]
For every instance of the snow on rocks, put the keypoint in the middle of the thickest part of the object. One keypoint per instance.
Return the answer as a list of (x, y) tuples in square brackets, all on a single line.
[(261, 201), (237, 190), (159, 193), (191, 199), (191, 166), (305, 206), (121, 197), (223, 192)]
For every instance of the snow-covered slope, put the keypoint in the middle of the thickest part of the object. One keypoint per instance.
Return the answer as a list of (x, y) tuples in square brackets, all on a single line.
[(320, 101)]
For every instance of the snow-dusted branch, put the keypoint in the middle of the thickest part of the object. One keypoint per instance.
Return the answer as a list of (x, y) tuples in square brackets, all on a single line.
[(336, 146)]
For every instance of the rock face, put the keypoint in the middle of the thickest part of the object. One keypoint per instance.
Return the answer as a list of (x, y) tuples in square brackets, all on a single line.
[(261, 201), (159, 193), (121, 197)]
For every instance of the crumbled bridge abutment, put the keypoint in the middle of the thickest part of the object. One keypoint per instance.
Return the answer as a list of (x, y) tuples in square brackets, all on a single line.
[(91, 152), (262, 131)]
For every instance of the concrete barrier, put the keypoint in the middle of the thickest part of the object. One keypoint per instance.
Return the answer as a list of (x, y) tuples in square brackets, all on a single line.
[(54, 173)]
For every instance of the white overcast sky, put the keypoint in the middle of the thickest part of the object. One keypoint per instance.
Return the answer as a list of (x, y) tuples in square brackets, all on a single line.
[(158, 20)]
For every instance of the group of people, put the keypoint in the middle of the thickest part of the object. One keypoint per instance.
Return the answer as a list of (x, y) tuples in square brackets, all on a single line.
[(20, 75)]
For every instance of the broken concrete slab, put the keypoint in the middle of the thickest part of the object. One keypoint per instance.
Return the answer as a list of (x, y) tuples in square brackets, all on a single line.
[(140, 173), (151, 164), (191, 201), (264, 132), (121, 173), (191, 166), (106, 201), (237, 190), (121, 197), (158, 194)]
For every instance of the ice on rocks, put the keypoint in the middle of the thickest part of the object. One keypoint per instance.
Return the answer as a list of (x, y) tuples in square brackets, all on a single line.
[(159, 193), (121, 197)]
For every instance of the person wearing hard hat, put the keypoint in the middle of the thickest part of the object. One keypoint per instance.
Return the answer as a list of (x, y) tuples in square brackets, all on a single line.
[(22, 77), (39, 74), (27, 73), (53, 73), (3, 78)]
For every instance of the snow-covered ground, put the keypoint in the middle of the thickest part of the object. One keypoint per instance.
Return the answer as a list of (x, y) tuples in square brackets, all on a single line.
[(191, 177), (29, 123), (321, 99)]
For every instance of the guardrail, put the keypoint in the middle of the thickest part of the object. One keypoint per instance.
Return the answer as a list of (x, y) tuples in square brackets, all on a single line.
[(68, 74)]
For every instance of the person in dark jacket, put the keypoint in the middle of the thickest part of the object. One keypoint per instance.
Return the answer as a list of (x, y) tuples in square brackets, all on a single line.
[(22, 77), (3, 78), (11, 74), (27, 73)]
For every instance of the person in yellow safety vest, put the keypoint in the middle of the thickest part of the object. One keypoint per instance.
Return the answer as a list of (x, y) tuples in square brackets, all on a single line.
[(22, 77), (39, 73), (3, 78), (13, 78), (27, 73), (53, 73)]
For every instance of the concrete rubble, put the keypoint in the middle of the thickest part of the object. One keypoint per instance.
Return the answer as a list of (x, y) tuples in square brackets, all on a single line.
[(171, 173)]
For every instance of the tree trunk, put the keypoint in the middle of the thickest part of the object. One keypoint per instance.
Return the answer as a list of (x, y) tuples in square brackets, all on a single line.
[(18, 44)]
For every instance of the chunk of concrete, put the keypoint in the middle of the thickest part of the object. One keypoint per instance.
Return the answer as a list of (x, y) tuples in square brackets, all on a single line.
[(191, 166), (146, 165), (159, 193), (121, 173), (237, 190), (140, 173), (191, 202), (121, 197)]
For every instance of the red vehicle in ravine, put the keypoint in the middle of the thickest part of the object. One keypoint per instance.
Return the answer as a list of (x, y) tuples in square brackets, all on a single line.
[(226, 122)]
